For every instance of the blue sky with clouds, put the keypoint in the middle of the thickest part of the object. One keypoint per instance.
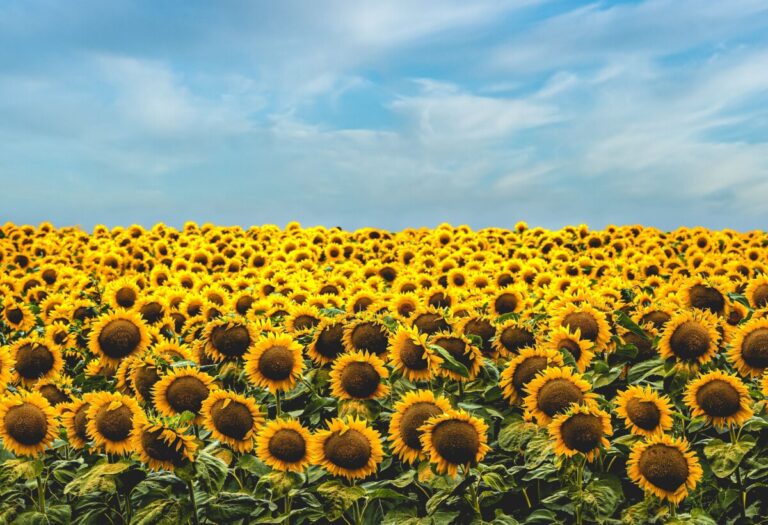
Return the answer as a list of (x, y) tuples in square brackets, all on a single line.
[(392, 114)]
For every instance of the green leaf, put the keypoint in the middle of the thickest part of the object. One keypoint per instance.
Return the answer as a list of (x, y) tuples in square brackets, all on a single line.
[(515, 435), (449, 362), (624, 320), (602, 497), (211, 471), (99, 478), (231, 506), (339, 496), (159, 512), (724, 458), (23, 468), (539, 449), (644, 370)]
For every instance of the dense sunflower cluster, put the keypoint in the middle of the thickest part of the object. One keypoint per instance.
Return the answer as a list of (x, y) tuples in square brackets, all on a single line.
[(369, 354)]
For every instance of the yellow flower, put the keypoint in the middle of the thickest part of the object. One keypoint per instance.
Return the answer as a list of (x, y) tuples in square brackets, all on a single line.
[(409, 414), (348, 448), (454, 438), (117, 335), (232, 418), (180, 390), (553, 391), (645, 412), (27, 423), (664, 466), (275, 362), (582, 429), (283, 444), (719, 397), (358, 375), (523, 368)]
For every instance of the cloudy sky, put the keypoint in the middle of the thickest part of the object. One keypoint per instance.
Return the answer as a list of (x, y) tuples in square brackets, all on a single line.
[(390, 114)]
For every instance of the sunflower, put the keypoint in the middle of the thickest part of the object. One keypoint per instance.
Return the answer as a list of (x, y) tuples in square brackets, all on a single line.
[(562, 338), (275, 362), (74, 418), (17, 315), (327, 343), (429, 321), (506, 300), (143, 374), (479, 325), (228, 338), (511, 336), (721, 398), (410, 353), (111, 421), (180, 390), (454, 438), (122, 293), (410, 413), (705, 294), (57, 390), (349, 448), (35, 360), (162, 447), (582, 429), (644, 411), (523, 368), (749, 348), (27, 423), (553, 391), (757, 291), (117, 335), (366, 334), (232, 419), (590, 322), (691, 338), (664, 466), (302, 319), (6, 364), (283, 444), (358, 375), (462, 350)]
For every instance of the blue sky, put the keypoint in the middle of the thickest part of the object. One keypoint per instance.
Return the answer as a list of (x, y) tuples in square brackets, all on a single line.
[(390, 114)]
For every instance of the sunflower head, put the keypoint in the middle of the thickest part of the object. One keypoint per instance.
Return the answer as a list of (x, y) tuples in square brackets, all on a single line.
[(232, 419), (117, 335), (690, 338), (645, 412), (74, 417), (664, 466), (366, 334), (582, 429), (358, 375), (588, 320), (283, 444), (453, 439), (27, 423), (429, 321), (721, 398), (562, 338), (348, 448), (523, 368), (162, 446), (34, 359), (482, 327), (511, 336), (275, 362), (749, 350), (553, 391), (228, 338), (462, 350), (111, 421), (180, 390), (410, 413), (410, 353), (327, 343)]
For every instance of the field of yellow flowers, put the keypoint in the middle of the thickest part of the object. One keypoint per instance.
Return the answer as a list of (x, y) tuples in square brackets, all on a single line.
[(445, 376)]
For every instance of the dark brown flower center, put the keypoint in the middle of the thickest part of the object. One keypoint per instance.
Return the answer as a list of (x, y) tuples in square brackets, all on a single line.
[(526, 371), (371, 337), (186, 393), (329, 342), (305, 322), (276, 363), (483, 329), (287, 445), (556, 395), (233, 420), (582, 432), (151, 312), (115, 425), (350, 450), (53, 394), (505, 303), (413, 418), (644, 414), (243, 304), (689, 340), (760, 296), (657, 318), (413, 355), (664, 466), (26, 424), (585, 322), (456, 441), (572, 347), (429, 323), (81, 421), (706, 298), (144, 379), (126, 297), (14, 315), (156, 448), (33, 361), (718, 398), (754, 349), (514, 338), (360, 380), (231, 341), (119, 338)]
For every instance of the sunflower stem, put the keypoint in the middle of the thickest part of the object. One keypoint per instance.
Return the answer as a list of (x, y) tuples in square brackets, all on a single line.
[(40, 494), (580, 487), (278, 412), (739, 482), (191, 490)]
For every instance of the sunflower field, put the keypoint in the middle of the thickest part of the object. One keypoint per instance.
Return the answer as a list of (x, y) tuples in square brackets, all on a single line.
[(210, 375)]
